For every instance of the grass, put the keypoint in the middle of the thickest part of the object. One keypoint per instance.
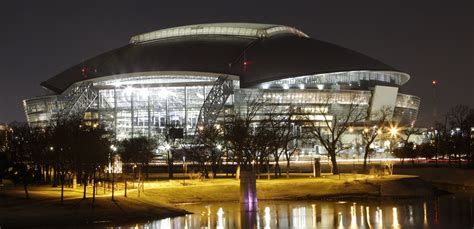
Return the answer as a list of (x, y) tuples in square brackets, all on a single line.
[(160, 198)]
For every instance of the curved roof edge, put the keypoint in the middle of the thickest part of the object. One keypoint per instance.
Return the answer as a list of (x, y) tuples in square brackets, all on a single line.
[(230, 29)]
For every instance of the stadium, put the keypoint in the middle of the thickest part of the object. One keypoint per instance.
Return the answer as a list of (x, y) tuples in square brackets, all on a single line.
[(193, 75)]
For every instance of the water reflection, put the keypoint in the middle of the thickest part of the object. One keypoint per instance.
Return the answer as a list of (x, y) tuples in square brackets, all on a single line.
[(438, 212)]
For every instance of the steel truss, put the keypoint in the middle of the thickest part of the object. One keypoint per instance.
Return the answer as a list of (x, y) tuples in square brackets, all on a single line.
[(214, 102), (78, 100)]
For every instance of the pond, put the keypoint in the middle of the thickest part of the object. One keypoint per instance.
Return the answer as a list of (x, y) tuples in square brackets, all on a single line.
[(450, 211)]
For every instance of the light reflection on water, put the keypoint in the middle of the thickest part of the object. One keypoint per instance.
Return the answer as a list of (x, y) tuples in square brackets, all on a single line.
[(447, 211)]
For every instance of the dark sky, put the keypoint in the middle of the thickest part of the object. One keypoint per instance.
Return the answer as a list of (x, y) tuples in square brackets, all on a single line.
[(425, 38)]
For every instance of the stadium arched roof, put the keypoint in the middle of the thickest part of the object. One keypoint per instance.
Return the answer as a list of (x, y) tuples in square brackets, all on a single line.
[(256, 53)]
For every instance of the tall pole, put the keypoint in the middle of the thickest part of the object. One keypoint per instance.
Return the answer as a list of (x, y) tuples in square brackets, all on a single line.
[(435, 112), (132, 112), (435, 118), (149, 115)]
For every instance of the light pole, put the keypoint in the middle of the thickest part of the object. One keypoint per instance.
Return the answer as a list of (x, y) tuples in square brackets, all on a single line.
[(167, 148), (111, 169), (435, 112), (353, 162), (184, 170)]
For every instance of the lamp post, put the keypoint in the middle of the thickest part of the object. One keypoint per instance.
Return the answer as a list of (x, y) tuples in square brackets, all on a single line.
[(112, 170), (353, 162), (184, 170), (167, 148)]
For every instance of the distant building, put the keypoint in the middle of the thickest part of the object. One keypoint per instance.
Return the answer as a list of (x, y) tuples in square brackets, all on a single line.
[(5, 133)]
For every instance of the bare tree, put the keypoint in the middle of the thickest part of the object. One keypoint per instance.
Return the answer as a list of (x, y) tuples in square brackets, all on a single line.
[(20, 149), (336, 119), (404, 134), (372, 129), (210, 138), (133, 152), (280, 123), (242, 133), (461, 119)]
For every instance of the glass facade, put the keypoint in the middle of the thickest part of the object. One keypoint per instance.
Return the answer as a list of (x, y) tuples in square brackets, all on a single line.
[(341, 80), (144, 105), (40, 110)]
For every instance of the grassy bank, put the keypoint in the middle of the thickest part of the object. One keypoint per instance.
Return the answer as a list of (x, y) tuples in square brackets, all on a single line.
[(160, 198), (329, 186)]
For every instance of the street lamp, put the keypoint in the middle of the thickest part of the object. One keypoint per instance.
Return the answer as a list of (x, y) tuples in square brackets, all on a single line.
[(393, 131)]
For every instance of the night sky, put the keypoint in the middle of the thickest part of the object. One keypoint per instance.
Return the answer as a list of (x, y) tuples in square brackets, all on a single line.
[(430, 40)]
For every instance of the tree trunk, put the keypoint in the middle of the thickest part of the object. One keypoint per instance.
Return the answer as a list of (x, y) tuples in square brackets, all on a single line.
[(62, 186), (366, 154), (106, 179), (287, 167), (125, 184), (268, 168), (139, 179), (55, 178), (25, 185), (113, 184), (84, 181), (170, 169), (213, 168), (257, 169), (170, 166), (93, 187), (335, 169), (277, 166), (48, 174)]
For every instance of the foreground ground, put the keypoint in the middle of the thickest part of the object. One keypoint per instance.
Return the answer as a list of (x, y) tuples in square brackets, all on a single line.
[(160, 198)]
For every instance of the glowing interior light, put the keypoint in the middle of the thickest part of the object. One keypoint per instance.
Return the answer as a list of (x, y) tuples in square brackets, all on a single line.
[(116, 84), (301, 86), (285, 86), (265, 86), (163, 93), (143, 92), (320, 86), (128, 90)]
